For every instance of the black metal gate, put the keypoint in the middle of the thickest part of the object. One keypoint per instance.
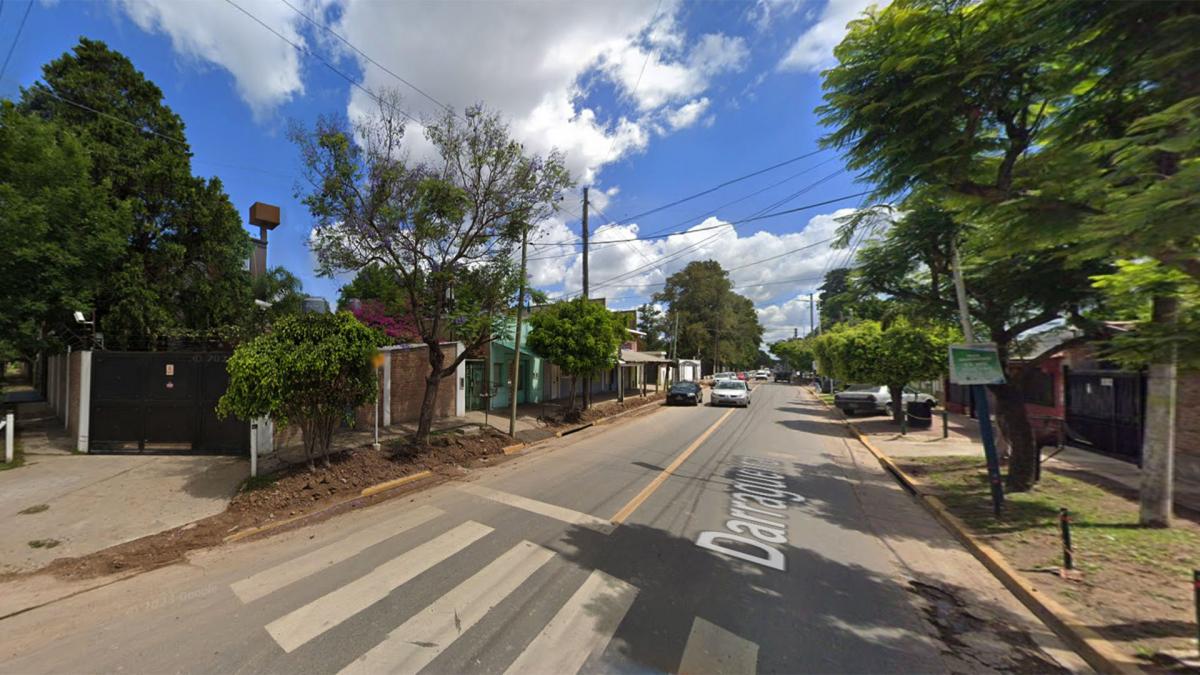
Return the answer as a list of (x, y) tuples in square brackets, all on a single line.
[(1106, 409), (162, 402)]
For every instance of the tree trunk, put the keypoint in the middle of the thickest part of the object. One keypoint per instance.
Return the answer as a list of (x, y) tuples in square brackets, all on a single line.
[(1158, 443), (1010, 414), (571, 405), (429, 400), (897, 403)]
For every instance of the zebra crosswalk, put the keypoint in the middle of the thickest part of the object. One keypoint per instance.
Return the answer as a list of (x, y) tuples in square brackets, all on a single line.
[(579, 631)]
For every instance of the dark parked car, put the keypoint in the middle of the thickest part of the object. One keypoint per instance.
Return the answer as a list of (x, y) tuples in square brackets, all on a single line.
[(685, 393), (783, 376)]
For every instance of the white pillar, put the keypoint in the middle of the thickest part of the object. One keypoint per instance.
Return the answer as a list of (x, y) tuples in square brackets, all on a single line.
[(85, 399), (387, 389), (460, 388), (67, 391), (253, 449), (9, 441)]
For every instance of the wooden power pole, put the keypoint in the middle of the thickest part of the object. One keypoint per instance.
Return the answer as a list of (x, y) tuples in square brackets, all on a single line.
[(516, 369)]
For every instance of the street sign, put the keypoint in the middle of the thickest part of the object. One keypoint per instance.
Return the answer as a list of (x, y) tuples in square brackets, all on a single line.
[(976, 363)]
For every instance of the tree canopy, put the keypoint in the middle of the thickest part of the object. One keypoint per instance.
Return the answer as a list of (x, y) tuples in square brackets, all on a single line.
[(581, 336), (446, 229), (308, 369), (715, 323), (182, 266)]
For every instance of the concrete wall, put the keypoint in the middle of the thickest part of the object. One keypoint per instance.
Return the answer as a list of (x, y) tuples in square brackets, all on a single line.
[(74, 367), (1187, 422)]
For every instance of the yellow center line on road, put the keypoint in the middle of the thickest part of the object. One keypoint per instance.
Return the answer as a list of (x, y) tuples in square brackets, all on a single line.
[(634, 503)]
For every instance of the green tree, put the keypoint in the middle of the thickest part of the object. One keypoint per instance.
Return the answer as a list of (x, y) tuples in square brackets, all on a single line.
[(60, 233), (373, 282), (579, 336), (446, 230), (312, 370), (185, 249), (796, 353), (714, 322), (653, 323), (894, 356), (842, 301)]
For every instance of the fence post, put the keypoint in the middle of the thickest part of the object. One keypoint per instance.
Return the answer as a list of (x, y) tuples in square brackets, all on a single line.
[(9, 442), (1064, 523), (945, 423), (253, 449)]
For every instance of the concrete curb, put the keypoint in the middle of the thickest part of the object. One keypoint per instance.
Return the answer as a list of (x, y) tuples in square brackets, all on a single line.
[(368, 491), (1099, 653)]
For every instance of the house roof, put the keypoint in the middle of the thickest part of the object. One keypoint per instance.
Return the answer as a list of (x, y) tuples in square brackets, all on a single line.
[(629, 356)]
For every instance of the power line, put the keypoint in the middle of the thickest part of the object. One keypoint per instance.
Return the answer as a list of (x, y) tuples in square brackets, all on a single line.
[(363, 54), (337, 71), (17, 38), (727, 183), (648, 53), (759, 215)]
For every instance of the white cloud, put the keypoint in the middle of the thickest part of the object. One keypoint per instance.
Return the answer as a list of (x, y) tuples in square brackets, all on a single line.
[(266, 70), (787, 318), (766, 12), (687, 114), (654, 76), (813, 50), (766, 283)]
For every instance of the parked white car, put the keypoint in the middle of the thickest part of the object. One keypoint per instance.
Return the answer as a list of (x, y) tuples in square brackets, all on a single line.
[(730, 392), (874, 399)]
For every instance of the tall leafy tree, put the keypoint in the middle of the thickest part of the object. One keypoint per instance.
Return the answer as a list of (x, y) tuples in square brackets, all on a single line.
[(714, 322), (61, 234), (579, 336), (185, 249), (653, 323), (446, 228)]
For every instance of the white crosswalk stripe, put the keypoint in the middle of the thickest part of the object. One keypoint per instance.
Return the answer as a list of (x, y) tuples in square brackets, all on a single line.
[(555, 511), (326, 612), (270, 580), (422, 638), (582, 627), (712, 649)]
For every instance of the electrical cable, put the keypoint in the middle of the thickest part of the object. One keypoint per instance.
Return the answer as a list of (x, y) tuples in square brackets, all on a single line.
[(17, 38)]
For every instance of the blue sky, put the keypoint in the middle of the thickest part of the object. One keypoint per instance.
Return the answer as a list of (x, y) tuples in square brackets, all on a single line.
[(651, 102)]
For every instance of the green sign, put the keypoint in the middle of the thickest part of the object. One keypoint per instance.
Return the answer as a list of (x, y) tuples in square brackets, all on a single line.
[(975, 364)]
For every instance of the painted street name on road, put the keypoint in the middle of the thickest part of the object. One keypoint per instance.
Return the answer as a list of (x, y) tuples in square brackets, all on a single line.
[(758, 496)]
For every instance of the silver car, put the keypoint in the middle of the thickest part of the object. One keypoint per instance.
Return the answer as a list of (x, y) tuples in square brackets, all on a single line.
[(874, 399), (730, 392)]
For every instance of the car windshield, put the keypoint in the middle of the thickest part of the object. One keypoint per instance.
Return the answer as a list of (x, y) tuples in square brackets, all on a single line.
[(862, 387), (727, 384), (683, 388)]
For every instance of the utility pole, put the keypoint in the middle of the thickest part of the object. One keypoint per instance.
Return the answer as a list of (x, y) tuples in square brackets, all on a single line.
[(1156, 495), (675, 349), (812, 314), (795, 333), (978, 390), (516, 369), (584, 229)]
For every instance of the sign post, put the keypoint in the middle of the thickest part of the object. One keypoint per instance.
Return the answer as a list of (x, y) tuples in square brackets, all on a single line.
[(978, 365)]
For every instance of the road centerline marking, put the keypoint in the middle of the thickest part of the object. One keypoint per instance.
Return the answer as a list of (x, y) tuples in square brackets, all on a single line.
[(661, 478)]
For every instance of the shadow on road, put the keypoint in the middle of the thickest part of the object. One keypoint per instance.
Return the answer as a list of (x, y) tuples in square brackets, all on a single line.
[(820, 615)]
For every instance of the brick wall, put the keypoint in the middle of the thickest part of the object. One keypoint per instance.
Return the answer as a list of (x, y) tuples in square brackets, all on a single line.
[(409, 368)]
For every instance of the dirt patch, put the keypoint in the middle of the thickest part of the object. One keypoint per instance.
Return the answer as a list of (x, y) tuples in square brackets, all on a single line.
[(290, 493), (1131, 584), (610, 408)]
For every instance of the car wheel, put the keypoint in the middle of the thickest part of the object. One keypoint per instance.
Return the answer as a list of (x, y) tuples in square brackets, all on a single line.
[(847, 412)]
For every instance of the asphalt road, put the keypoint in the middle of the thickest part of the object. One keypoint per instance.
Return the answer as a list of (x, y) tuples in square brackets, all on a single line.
[(748, 540)]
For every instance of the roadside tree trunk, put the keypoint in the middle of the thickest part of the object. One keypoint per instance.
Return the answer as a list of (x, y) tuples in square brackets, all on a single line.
[(571, 403), (1011, 416), (1158, 443), (897, 393), (429, 399)]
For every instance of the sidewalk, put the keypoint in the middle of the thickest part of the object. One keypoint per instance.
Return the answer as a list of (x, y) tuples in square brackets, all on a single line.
[(1099, 469)]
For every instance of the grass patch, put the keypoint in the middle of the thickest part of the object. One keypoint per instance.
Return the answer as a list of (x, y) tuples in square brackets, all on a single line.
[(44, 543), (1135, 584), (258, 483), (37, 508), (18, 455), (828, 398)]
